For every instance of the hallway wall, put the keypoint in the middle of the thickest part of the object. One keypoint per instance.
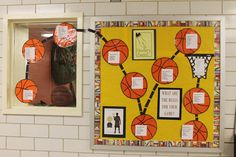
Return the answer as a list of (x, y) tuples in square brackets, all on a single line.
[(62, 136)]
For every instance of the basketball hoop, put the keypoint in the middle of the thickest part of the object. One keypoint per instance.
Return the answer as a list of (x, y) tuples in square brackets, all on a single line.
[(199, 64)]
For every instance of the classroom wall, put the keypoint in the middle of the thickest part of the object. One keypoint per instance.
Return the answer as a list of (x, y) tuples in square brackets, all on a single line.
[(62, 136)]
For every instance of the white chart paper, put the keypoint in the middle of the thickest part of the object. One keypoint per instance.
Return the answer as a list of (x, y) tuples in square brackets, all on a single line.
[(114, 57), (30, 53), (137, 83), (140, 130), (191, 41), (62, 31), (27, 94), (187, 132), (167, 75), (198, 98)]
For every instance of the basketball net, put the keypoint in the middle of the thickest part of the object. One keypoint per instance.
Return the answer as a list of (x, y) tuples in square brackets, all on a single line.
[(199, 64)]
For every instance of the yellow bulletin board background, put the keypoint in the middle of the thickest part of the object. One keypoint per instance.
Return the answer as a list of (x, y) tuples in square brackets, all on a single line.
[(111, 77), (108, 92)]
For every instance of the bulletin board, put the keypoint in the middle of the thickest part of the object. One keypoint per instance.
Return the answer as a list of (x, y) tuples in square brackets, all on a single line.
[(157, 83)]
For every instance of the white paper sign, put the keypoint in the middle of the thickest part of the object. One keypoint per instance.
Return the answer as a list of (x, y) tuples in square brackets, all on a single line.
[(27, 94), (191, 41), (137, 83), (30, 53), (187, 132), (167, 75), (62, 31), (198, 98), (140, 130), (114, 57), (199, 66), (169, 103)]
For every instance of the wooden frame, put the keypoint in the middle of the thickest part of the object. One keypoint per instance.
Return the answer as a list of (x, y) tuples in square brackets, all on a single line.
[(10, 29)]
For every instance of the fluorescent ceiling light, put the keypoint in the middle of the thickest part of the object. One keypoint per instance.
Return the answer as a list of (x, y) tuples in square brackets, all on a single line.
[(46, 35)]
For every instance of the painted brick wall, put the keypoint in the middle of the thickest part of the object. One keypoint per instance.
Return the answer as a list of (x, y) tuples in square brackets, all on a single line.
[(59, 136)]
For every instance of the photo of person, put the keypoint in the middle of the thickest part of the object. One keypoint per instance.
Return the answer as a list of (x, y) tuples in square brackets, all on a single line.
[(113, 121), (117, 122)]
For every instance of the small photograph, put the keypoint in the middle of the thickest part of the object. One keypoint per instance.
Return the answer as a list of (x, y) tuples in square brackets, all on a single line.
[(113, 121), (144, 44)]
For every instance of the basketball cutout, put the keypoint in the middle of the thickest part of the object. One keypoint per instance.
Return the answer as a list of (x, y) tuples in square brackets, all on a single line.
[(134, 85), (65, 35), (33, 50), (196, 101), (187, 41), (164, 70), (115, 52), (25, 90), (144, 127), (200, 132)]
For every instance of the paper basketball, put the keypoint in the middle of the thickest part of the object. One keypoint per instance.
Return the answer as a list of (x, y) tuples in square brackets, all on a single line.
[(187, 41), (25, 90), (199, 130), (164, 70), (65, 35), (134, 85), (144, 127), (115, 52), (196, 101), (33, 50)]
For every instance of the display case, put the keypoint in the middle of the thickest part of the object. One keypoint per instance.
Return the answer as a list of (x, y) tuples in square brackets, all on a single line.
[(42, 64)]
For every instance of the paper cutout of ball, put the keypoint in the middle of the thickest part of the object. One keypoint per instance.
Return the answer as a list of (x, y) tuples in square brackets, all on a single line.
[(65, 35), (200, 132), (22, 85), (147, 121), (38, 49), (180, 41), (196, 108), (163, 64), (126, 86), (115, 46)]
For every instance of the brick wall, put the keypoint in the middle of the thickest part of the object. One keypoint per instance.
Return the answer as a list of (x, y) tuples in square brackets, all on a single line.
[(59, 136)]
